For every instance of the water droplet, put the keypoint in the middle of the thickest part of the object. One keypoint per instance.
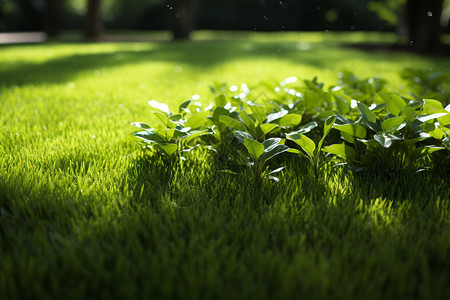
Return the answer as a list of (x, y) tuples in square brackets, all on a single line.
[(411, 43), (93, 136), (429, 13), (281, 2)]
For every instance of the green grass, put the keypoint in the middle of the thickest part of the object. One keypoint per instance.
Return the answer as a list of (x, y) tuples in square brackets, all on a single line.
[(84, 213)]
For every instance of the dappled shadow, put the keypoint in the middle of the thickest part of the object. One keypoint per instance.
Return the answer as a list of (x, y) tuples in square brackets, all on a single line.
[(198, 54), (402, 185), (390, 48)]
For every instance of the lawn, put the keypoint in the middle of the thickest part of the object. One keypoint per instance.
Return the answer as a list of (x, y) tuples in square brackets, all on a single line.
[(86, 213)]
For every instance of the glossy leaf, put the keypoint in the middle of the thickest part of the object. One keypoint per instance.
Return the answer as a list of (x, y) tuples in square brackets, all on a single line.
[(392, 124), (219, 111), (270, 143), (168, 148), (197, 120), (383, 140), (395, 103), (255, 148), (341, 150), (160, 106), (290, 120), (258, 112), (275, 116), (141, 125), (409, 113), (245, 118), (232, 123), (267, 127), (366, 113), (352, 129), (273, 151), (184, 105), (303, 141), (195, 134), (329, 122), (432, 107), (220, 100)]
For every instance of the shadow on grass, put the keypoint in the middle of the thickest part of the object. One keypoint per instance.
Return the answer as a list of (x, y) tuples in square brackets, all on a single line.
[(199, 54), (402, 185)]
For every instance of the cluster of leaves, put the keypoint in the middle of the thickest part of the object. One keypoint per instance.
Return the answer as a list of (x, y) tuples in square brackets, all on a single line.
[(373, 128)]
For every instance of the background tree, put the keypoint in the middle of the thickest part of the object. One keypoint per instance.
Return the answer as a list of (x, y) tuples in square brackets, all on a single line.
[(52, 17), (92, 26), (421, 22), (183, 18), (424, 28)]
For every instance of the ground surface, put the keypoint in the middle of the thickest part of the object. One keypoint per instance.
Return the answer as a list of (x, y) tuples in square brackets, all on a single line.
[(84, 213)]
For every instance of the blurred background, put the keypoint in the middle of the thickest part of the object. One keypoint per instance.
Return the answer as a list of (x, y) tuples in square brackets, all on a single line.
[(418, 23)]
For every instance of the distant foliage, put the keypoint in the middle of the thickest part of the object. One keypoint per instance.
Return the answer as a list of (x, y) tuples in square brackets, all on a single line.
[(358, 123)]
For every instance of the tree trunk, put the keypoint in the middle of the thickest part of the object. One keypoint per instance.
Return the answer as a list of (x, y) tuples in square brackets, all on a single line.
[(53, 10), (92, 21), (424, 29), (183, 19)]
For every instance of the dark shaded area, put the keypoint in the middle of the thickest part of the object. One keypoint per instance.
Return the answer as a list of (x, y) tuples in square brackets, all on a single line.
[(92, 21), (442, 50)]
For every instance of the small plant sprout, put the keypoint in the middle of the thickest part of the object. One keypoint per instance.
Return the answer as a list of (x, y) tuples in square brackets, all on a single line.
[(311, 151), (260, 153), (172, 133)]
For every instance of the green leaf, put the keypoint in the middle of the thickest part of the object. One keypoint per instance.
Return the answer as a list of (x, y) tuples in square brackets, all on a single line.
[(395, 103), (342, 104), (219, 111), (245, 118), (232, 123), (273, 151), (352, 129), (241, 135), (271, 143), (256, 149), (312, 99), (168, 148), (275, 116), (183, 106), (329, 122), (383, 140), (194, 134), (392, 124), (303, 141), (220, 100), (149, 136), (160, 106), (197, 120), (307, 127), (141, 125), (258, 112), (366, 113), (164, 119), (409, 113), (290, 120), (431, 117), (432, 107), (267, 127), (341, 150)]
